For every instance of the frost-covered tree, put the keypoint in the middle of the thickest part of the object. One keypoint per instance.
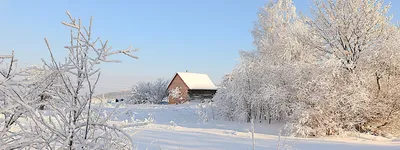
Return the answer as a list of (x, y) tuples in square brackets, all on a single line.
[(69, 121), (261, 84), (334, 72), (223, 99), (150, 92), (10, 113), (283, 56), (14, 85), (7, 75), (355, 39), (350, 29)]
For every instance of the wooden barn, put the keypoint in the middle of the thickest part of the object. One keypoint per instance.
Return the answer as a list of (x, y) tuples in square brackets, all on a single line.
[(190, 86)]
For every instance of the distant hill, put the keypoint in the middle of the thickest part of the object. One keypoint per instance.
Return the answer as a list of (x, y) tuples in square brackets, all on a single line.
[(124, 94)]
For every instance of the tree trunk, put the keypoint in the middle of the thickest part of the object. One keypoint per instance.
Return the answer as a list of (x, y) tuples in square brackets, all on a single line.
[(252, 134), (269, 119), (249, 115), (378, 84)]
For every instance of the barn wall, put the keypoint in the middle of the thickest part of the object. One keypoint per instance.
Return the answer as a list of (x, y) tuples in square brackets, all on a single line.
[(201, 94), (178, 82)]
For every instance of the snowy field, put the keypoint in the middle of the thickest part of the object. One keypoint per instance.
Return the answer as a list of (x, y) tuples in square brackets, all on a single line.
[(180, 127)]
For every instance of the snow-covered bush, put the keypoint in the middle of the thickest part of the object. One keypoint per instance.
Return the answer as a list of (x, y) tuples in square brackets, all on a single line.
[(10, 112), (176, 94), (206, 111), (149, 92), (19, 89)]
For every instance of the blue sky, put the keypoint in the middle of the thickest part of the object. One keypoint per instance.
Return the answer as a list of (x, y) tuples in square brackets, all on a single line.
[(175, 35)]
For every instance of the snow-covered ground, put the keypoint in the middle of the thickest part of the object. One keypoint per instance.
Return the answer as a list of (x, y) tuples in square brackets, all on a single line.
[(180, 127)]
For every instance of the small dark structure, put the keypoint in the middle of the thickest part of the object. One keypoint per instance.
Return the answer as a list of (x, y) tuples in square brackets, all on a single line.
[(191, 86), (119, 100)]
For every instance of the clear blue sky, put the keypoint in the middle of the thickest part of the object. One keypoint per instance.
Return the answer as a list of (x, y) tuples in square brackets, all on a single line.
[(173, 35)]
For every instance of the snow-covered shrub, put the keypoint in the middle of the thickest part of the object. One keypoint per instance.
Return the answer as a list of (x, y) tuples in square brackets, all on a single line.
[(176, 94), (21, 90), (206, 111), (149, 92), (10, 113), (224, 104)]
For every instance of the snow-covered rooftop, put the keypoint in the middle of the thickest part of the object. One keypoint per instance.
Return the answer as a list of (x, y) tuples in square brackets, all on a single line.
[(197, 81)]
